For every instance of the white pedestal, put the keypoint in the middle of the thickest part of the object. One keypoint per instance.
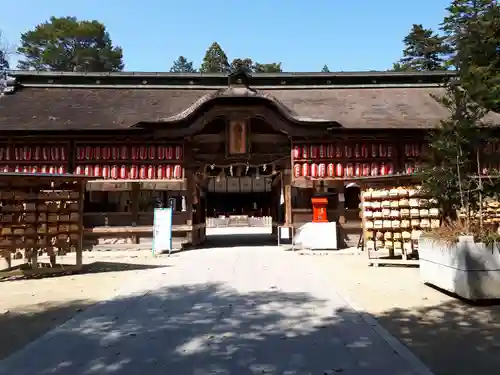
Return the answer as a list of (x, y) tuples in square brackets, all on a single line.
[(317, 236)]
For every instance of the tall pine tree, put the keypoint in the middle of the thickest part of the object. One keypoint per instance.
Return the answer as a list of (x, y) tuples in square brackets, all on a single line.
[(267, 68), (182, 65), (242, 64), (325, 69), (424, 51), (215, 60), (4, 62), (472, 28)]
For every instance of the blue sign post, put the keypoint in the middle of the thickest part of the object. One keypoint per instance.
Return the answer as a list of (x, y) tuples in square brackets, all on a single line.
[(162, 230)]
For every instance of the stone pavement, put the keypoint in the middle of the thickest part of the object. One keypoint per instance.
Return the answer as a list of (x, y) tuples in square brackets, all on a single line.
[(246, 310)]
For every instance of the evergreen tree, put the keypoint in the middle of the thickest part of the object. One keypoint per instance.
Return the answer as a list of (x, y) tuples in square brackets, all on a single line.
[(243, 64), (472, 28), (325, 69), (4, 62), (182, 65), (267, 68), (67, 44), (215, 60), (424, 50)]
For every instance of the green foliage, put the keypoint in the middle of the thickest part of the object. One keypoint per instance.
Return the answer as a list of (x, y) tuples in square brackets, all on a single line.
[(267, 68), (472, 28), (242, 64), (67, 44), (182, 65), (424, 51), (4, 62), (215, 60), (449, 174), (325, 69)]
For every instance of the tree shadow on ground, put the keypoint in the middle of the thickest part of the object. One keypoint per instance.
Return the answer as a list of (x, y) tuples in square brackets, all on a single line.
[(452, 338), (94, 267), (210, 328)]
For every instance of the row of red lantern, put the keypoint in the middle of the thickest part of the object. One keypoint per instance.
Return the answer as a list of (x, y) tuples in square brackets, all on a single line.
[(126, 153), (29, 153), (132, 172), (329, 151), (339, 170), (413, 149), (50, 169)]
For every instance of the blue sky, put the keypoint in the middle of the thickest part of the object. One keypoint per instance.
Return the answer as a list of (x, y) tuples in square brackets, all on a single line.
[(303, 35)]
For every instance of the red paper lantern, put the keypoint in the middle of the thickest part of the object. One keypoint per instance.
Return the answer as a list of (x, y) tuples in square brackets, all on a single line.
[(416, 149), (178, 152), (124, 152), (105, 171), (114, 172), (80, 153), (383, 169), (37, 154), (409, 168), (348, 151), (358, 170), (382, 150), (331, 170), (134, 172), (88, 171), (115, 153), (322, 151), (43, 169), (97, 170), (170, 153), (338, 151), (357, 151), (408, 150), (52, 169), (296, 170), (339, 170), (62, 152), (152, 152), (305, 152), (17, 168), (26, 169), (314, 152), (78, 170), (374, 171), (305, 170), (27, 153), (135, 153), (151, 172), (2, 153), (390, 168), (330, 151), (366, 169), (18, 154), (168, 172), (160, 172), (34, 169), (389, 151), (374, 150), (314, 170), (97, 153), (123, 172), (160, 152), (349, 170), (61, 169), (322, 170), (364, 151), (88, 153), (178, 172), (296, 152), (143, 172)]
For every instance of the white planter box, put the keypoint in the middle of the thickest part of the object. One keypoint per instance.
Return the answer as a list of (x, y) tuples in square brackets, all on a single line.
[(470, 270)]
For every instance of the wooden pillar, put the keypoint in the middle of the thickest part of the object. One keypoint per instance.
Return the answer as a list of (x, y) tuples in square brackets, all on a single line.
[(134, 208), (190, 199), (287, 191), (341, 202)]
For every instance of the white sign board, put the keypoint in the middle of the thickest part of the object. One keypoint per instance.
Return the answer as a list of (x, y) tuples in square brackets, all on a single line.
[(317, 236), (162, 230)]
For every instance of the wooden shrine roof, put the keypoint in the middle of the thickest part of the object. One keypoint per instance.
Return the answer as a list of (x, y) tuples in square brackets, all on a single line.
[(93, 101)]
